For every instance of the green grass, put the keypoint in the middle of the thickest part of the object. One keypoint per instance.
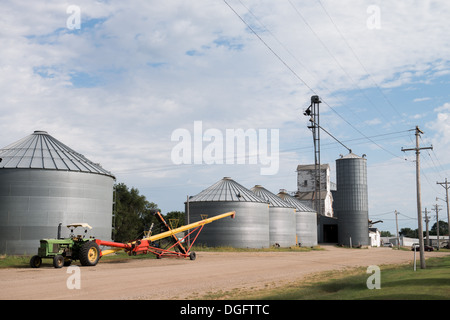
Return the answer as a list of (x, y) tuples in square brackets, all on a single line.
[(8, 261), (398, 282), (23, 261)]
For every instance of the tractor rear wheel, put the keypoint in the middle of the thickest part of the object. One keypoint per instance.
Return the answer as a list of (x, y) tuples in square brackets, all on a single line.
[(89, 254), (35, 261), (58, 261)]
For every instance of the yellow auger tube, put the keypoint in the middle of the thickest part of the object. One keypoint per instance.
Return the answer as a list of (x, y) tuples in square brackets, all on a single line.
[(175, 231), (189, 226), (109, 251)]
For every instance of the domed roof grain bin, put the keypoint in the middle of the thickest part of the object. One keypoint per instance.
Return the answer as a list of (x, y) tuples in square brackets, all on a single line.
[(281, 218), (305, 221), (43, 183), (249, 228)]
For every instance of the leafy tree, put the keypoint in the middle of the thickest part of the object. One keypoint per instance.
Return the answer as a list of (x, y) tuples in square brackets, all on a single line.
[(178, 216), (133, 214), (385, 234), (443, 228), (408, 232)]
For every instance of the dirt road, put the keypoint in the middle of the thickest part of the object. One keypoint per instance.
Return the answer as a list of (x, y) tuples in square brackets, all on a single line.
[(183, 279)]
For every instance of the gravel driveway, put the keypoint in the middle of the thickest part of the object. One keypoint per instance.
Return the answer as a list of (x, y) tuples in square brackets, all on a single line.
[(167, 279)]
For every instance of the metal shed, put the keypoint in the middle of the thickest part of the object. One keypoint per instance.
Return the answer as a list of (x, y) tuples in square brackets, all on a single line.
[(249, 229), (43, 183)]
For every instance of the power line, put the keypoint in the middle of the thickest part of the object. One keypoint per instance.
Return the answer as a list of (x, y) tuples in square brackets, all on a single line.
[(312, 30), (379, 146), (295, 58), (276, 39), (160, 168), (334, 58), (437, 159), (408, 217), (381, 214), (352, 140), (301, 79), (268, 47), (357, 58)]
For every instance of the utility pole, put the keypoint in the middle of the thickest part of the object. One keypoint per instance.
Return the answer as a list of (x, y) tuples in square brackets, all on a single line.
[(426, 224), (448, 210), (396, 223), (419, 201), (437, 209)]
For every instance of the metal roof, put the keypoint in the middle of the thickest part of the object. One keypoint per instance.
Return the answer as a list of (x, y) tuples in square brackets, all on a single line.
[(226, 190), (295, 202), (352, 156), (41, 151), (301, 167), (273, 200)]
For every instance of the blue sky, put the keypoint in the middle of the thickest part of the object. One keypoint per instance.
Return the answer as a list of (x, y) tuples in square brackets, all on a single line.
[(118, 87)]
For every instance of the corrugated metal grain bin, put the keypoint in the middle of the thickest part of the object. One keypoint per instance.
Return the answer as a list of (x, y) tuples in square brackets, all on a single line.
[(281, 218), (351, 203), (43, 183), (305, 221), (249, 229)]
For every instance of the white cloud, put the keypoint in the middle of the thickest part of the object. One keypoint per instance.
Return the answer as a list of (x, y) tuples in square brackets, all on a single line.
[(373, 121), (117, 88), (421, 99), (441, 126), (444, 107)]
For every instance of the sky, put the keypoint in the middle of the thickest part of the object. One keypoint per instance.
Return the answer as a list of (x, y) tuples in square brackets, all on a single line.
[(152, 89)]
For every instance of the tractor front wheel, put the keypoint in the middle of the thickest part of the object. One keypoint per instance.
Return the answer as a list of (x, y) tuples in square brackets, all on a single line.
[(89, 254), (35, 262), (58, 261)]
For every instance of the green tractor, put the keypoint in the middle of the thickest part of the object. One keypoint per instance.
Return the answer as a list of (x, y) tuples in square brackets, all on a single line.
[(65, 250)]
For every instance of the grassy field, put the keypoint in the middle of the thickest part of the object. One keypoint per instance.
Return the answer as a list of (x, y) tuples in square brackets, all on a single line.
[(398, 282), (11, 261)]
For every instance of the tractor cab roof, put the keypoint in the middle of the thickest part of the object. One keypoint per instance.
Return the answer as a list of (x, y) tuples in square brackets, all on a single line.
[(75, 225)]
